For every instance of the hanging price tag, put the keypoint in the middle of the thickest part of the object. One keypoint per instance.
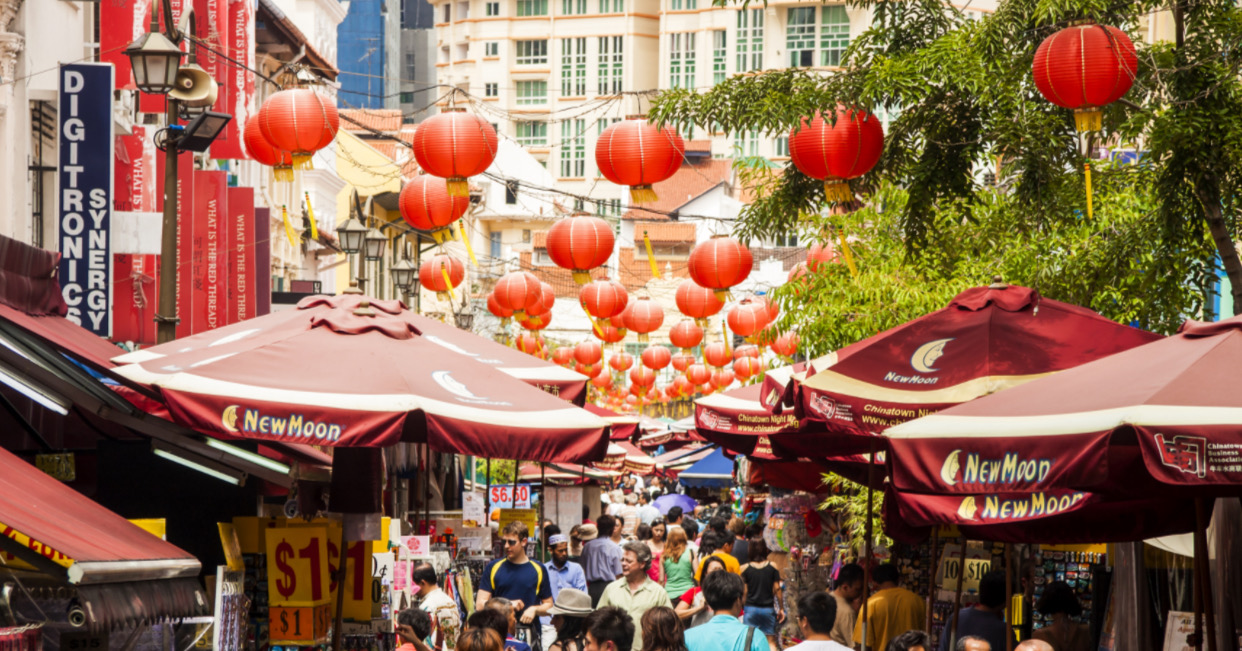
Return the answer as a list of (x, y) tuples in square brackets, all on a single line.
[(300, 625), (297, 566)]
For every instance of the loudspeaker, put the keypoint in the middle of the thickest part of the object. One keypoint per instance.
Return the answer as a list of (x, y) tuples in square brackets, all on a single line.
[(194, 87)]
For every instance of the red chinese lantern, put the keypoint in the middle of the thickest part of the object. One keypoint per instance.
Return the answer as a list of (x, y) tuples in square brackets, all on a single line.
[(698, 374), (588, 352), (637, 391), (716, 354), (642, 376), (682, 386), (621, 319), (786, 344), (631, 401), (455, 145), (542, 306), (518, 290), (696, 301), (682, 361), (633, 152), (1084, 68), (773, 308), (749, 350), (656, 357), (264, 153), (608, 333), (299, 121), (748, 317), (686, 334), (529, 344), (580, 244), (707, 389), (720, 263), (441, 274), (621, 362), (835, 152), (426, 205), (819, 254), (591, 370), (644, 316), (563, 355), (536, 322), (602, 381), (722, 378), (798, 273), (495, 308), (603, 299), (746, 367)]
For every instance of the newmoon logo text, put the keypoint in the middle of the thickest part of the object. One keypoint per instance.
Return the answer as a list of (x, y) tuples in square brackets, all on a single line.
[(251, 421)]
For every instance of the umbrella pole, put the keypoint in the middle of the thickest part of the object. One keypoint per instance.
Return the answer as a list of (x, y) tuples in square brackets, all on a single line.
[(426, 489), (487, 493), (869, 534), (957, 598), (1207, 609), (340, 593), (931, 576), (1009, 597), (543, 497)]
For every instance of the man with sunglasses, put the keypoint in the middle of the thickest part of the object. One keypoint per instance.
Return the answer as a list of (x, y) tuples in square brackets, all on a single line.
[(524, 582)]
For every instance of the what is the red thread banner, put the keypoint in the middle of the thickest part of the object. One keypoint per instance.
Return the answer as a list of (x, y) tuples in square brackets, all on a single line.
[(240, 276)]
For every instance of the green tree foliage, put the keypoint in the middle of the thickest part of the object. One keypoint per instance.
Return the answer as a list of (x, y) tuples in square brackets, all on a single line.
[(849, 501), (932, 223)]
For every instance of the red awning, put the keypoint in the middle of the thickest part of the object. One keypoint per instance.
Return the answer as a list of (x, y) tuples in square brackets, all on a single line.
[(65, 335), (52, 526)]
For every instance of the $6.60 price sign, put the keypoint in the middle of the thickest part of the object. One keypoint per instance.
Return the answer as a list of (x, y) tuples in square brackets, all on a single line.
[(297, 566)]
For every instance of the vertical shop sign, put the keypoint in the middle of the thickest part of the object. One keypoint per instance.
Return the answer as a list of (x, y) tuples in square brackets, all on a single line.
[(262, 261), (207, 262), (240, 243), (236, 83), (148, 103), (185, 248), (85, 182), (121, 22)]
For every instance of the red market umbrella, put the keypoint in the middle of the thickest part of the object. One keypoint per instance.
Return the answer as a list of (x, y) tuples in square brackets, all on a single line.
[(637, 461), (623, 427), (987, 339), (355, 372)]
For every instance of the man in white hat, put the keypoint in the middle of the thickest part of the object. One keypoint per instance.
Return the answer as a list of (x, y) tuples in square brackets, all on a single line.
[(562, 572)]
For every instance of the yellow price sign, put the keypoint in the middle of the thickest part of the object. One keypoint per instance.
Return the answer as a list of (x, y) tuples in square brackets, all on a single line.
[(297, 566), (358, 562), (300, 625)]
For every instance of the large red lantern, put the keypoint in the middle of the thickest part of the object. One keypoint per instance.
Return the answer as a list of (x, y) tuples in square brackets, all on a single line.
[(682, 386), (543, 306), (496, 309), (818, 254), (696, 301), (634, 152), (563, 355), (602, 381), (749, 350), (529, 344), (698, 374), (722, 378), (608, 333), (621, 362), (748, 317), (536, 322), (720, 263), (786, 344), (264, 153), (834, 152), (644, 316), (299, 121), (642, 376), (686, 334), (518, 290), (716, 354), (656, 357), (746, 367), (588, 352), (441, 274), (1083, 68), (455, 145), (580, 244), (603, 299), (682, 361), (426, 205)]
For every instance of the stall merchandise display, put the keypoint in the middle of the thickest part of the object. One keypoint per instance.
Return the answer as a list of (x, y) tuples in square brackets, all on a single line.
[(1078, 569), (793, 526), (21, 638)]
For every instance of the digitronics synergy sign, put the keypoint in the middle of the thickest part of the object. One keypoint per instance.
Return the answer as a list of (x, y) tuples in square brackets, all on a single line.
[(85, 175)]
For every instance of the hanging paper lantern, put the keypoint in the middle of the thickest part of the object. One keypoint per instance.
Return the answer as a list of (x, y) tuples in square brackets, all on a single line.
[(786, 344), (621, 361), (631, 401), (819, 254), (529, 344), (720, 263), (263, 153), (543, 306), (773, 308), (656, 357), (698, 374), (441, 274), (746, 367), (563, 355), (608, 333), (588, 352), (603, 299), (1084, 68), (696, 301), (682, 361), (749, 350), (642, 376), (536, 322), (580, 244), (682, 386), (686, 335), (716, 354), (722, 378), (838, 151), (633, 152), (644, 316), (591, 370), (455, 145), (495, 308), (518, 290), (637, 390), (621, 319), (748, 317), (798, 273), (299, 121), (602, 381), (425, 204), (707, 389)]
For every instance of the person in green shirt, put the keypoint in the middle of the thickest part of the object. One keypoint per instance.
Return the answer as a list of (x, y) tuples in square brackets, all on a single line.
[(678, 563), (635, 592)]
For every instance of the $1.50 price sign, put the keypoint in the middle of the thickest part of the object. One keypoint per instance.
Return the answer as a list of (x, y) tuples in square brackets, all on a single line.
[(297, 566), (301, 625)]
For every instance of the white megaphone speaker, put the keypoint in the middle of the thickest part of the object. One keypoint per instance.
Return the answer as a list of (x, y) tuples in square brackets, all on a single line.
[(194, 87)]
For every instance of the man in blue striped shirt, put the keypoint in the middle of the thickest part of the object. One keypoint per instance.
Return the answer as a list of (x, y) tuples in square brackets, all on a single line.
[(723, 592)]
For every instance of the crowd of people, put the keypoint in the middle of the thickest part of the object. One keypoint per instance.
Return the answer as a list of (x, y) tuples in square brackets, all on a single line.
[(636, 579)]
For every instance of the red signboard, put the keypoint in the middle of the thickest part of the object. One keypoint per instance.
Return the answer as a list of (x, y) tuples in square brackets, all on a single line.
[(185, 199), (262, 261), (207, 263), (135, 298), (236, 83), (240, 242), (120, 23), (133, 184)]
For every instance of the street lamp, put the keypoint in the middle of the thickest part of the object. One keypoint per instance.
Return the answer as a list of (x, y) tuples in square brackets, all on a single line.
[(403, 272), (155, 60), (351, 232), (375, 243)]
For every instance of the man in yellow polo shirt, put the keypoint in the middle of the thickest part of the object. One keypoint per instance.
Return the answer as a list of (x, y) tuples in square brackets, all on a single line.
[(720, 546), (891, 610)]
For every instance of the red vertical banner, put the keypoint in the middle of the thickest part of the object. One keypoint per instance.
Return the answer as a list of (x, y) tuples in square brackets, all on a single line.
[(207, 264), (185, 249), (262, 261), (152, 103), (240, 276), (134, 180), (121, 22), (135, 298), (236, 83)]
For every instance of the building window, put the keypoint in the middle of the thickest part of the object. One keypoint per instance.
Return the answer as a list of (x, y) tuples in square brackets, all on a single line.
[(610, 64), (749, 40), (573, 149), (720, 54), (782, 146), (834, 35), (611, 6), (573, 67), (491, 89), (571, 7), (675, 5), (609, 207), (530, 53), (494, 244), (745, 144), (532, 8), (447, 12), (532, 92), (532, 134), (493, 9), (681, 60), (491, 49), (800, 36), (511, 190)]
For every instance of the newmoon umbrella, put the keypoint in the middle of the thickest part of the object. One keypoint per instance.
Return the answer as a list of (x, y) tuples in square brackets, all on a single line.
[(352, 371)]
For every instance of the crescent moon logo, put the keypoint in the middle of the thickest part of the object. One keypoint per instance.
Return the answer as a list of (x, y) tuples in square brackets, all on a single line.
[(446, 380), (927, 354), (968, 508), (229, 418), (948, 472)]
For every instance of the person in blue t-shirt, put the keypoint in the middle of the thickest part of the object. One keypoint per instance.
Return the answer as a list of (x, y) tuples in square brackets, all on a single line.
[(524, 582), (494, 618), (986, 619)]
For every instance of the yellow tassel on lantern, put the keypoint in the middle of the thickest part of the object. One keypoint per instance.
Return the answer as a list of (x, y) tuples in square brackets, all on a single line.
[(1088, 119), (289, 232), (310, 215), (599, 332), (303, 162), (849, 255), (458, 187), (655, 269), (837, 190), (1087, 170), (724, 330), (465, 239), (642, 194), (283, 173), (447, 283)]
